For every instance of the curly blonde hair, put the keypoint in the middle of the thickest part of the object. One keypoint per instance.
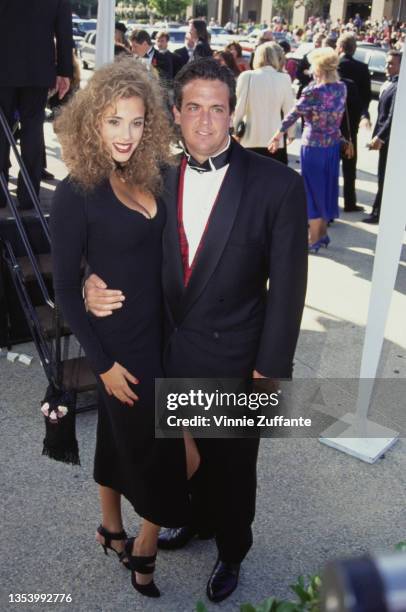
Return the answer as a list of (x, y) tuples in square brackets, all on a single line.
[(78, 127)]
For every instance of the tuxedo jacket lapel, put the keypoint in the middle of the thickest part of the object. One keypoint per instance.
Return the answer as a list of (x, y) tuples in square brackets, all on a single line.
[(172, 260), (218, 231)]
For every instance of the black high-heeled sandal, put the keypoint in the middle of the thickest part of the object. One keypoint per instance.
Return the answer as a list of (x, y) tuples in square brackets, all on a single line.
[(108, 537), (142, 565)]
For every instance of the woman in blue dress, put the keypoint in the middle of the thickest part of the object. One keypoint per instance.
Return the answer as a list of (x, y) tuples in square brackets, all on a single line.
[(321, 105)]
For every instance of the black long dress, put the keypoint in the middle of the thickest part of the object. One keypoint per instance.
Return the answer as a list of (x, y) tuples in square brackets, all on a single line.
[(124, 248)]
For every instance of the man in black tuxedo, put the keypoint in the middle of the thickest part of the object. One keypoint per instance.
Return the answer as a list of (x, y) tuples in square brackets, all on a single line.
[(36, 53), (162, 42), (235, 221), (141, 45), (381, 133), (185, 54), (356, 71)]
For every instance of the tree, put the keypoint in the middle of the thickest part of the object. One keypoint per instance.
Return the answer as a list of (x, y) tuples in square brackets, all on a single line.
[(283, 8), (170, 8)]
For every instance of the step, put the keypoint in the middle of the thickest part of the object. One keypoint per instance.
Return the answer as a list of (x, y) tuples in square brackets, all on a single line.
[(46, 318), (44, 262), (78, 375)]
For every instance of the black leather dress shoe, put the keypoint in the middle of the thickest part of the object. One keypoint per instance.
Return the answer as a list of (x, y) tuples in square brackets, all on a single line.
[(354, 209), (47, 176), (223, 580), (372, 219), (178, 537)]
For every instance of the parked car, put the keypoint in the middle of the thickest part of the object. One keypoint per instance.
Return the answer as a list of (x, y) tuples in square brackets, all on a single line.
[(375, 58), (176, 36), (219, 37), (250, 41), (88, 51), (83, 26)]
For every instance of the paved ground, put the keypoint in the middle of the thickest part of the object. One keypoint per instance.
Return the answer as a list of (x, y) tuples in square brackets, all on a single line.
[(314, 503)]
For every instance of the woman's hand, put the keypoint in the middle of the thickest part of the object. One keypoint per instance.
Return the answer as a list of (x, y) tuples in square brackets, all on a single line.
[(115, 382), (273, 144)]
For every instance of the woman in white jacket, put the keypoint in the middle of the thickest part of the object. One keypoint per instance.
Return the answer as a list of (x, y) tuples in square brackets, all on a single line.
[(264, 95)]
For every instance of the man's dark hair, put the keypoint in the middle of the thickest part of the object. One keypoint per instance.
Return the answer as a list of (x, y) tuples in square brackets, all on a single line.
[(162, 33), (208, 70), (120, 26), (201, 29), (140, 36)]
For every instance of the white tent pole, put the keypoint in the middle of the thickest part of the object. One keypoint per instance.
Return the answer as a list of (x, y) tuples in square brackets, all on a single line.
[(105, 32), (390, 236), (388, 248)]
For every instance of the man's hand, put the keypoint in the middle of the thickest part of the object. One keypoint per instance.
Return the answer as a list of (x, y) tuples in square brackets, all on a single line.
[(62, 86), (115, 382), (100, 301), (271, 385), (375, 144)]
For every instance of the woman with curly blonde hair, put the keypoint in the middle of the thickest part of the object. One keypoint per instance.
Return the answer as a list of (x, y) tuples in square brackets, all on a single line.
[(115, 137)]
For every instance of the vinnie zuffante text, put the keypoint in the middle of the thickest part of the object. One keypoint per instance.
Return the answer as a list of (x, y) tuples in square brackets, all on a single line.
[(198, 399)]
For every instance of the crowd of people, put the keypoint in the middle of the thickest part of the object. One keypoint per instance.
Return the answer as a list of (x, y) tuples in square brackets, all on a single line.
[(264, 81), (199, 263), (387, 32)]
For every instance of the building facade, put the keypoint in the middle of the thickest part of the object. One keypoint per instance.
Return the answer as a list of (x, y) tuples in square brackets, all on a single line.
[(261, 10)]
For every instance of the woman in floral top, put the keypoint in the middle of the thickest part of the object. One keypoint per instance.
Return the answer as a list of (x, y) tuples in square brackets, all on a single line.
[(321, 105)]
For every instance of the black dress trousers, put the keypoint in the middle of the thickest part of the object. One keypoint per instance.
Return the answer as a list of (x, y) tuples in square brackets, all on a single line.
[(29, 103)]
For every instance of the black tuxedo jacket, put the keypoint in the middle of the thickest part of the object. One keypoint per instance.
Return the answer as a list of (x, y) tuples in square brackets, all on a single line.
[(304, 79), (385, 112), (350, 68), (35, 42), (163, 64), (354, 108), (226, 322), (182, 56)]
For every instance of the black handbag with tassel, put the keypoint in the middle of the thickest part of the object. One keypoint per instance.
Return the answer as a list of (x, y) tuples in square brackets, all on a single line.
[(58, 408)]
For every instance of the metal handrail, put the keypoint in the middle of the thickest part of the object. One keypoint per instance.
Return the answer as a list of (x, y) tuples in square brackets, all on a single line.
[(51, 369), (26, 177), (26, 242)]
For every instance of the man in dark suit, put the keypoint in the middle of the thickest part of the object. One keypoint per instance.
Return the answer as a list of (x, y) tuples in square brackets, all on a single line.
[(356, 71), (381, 133), (142, 47), (36, 53), (235, 221), (162, 41), (185, 54)]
